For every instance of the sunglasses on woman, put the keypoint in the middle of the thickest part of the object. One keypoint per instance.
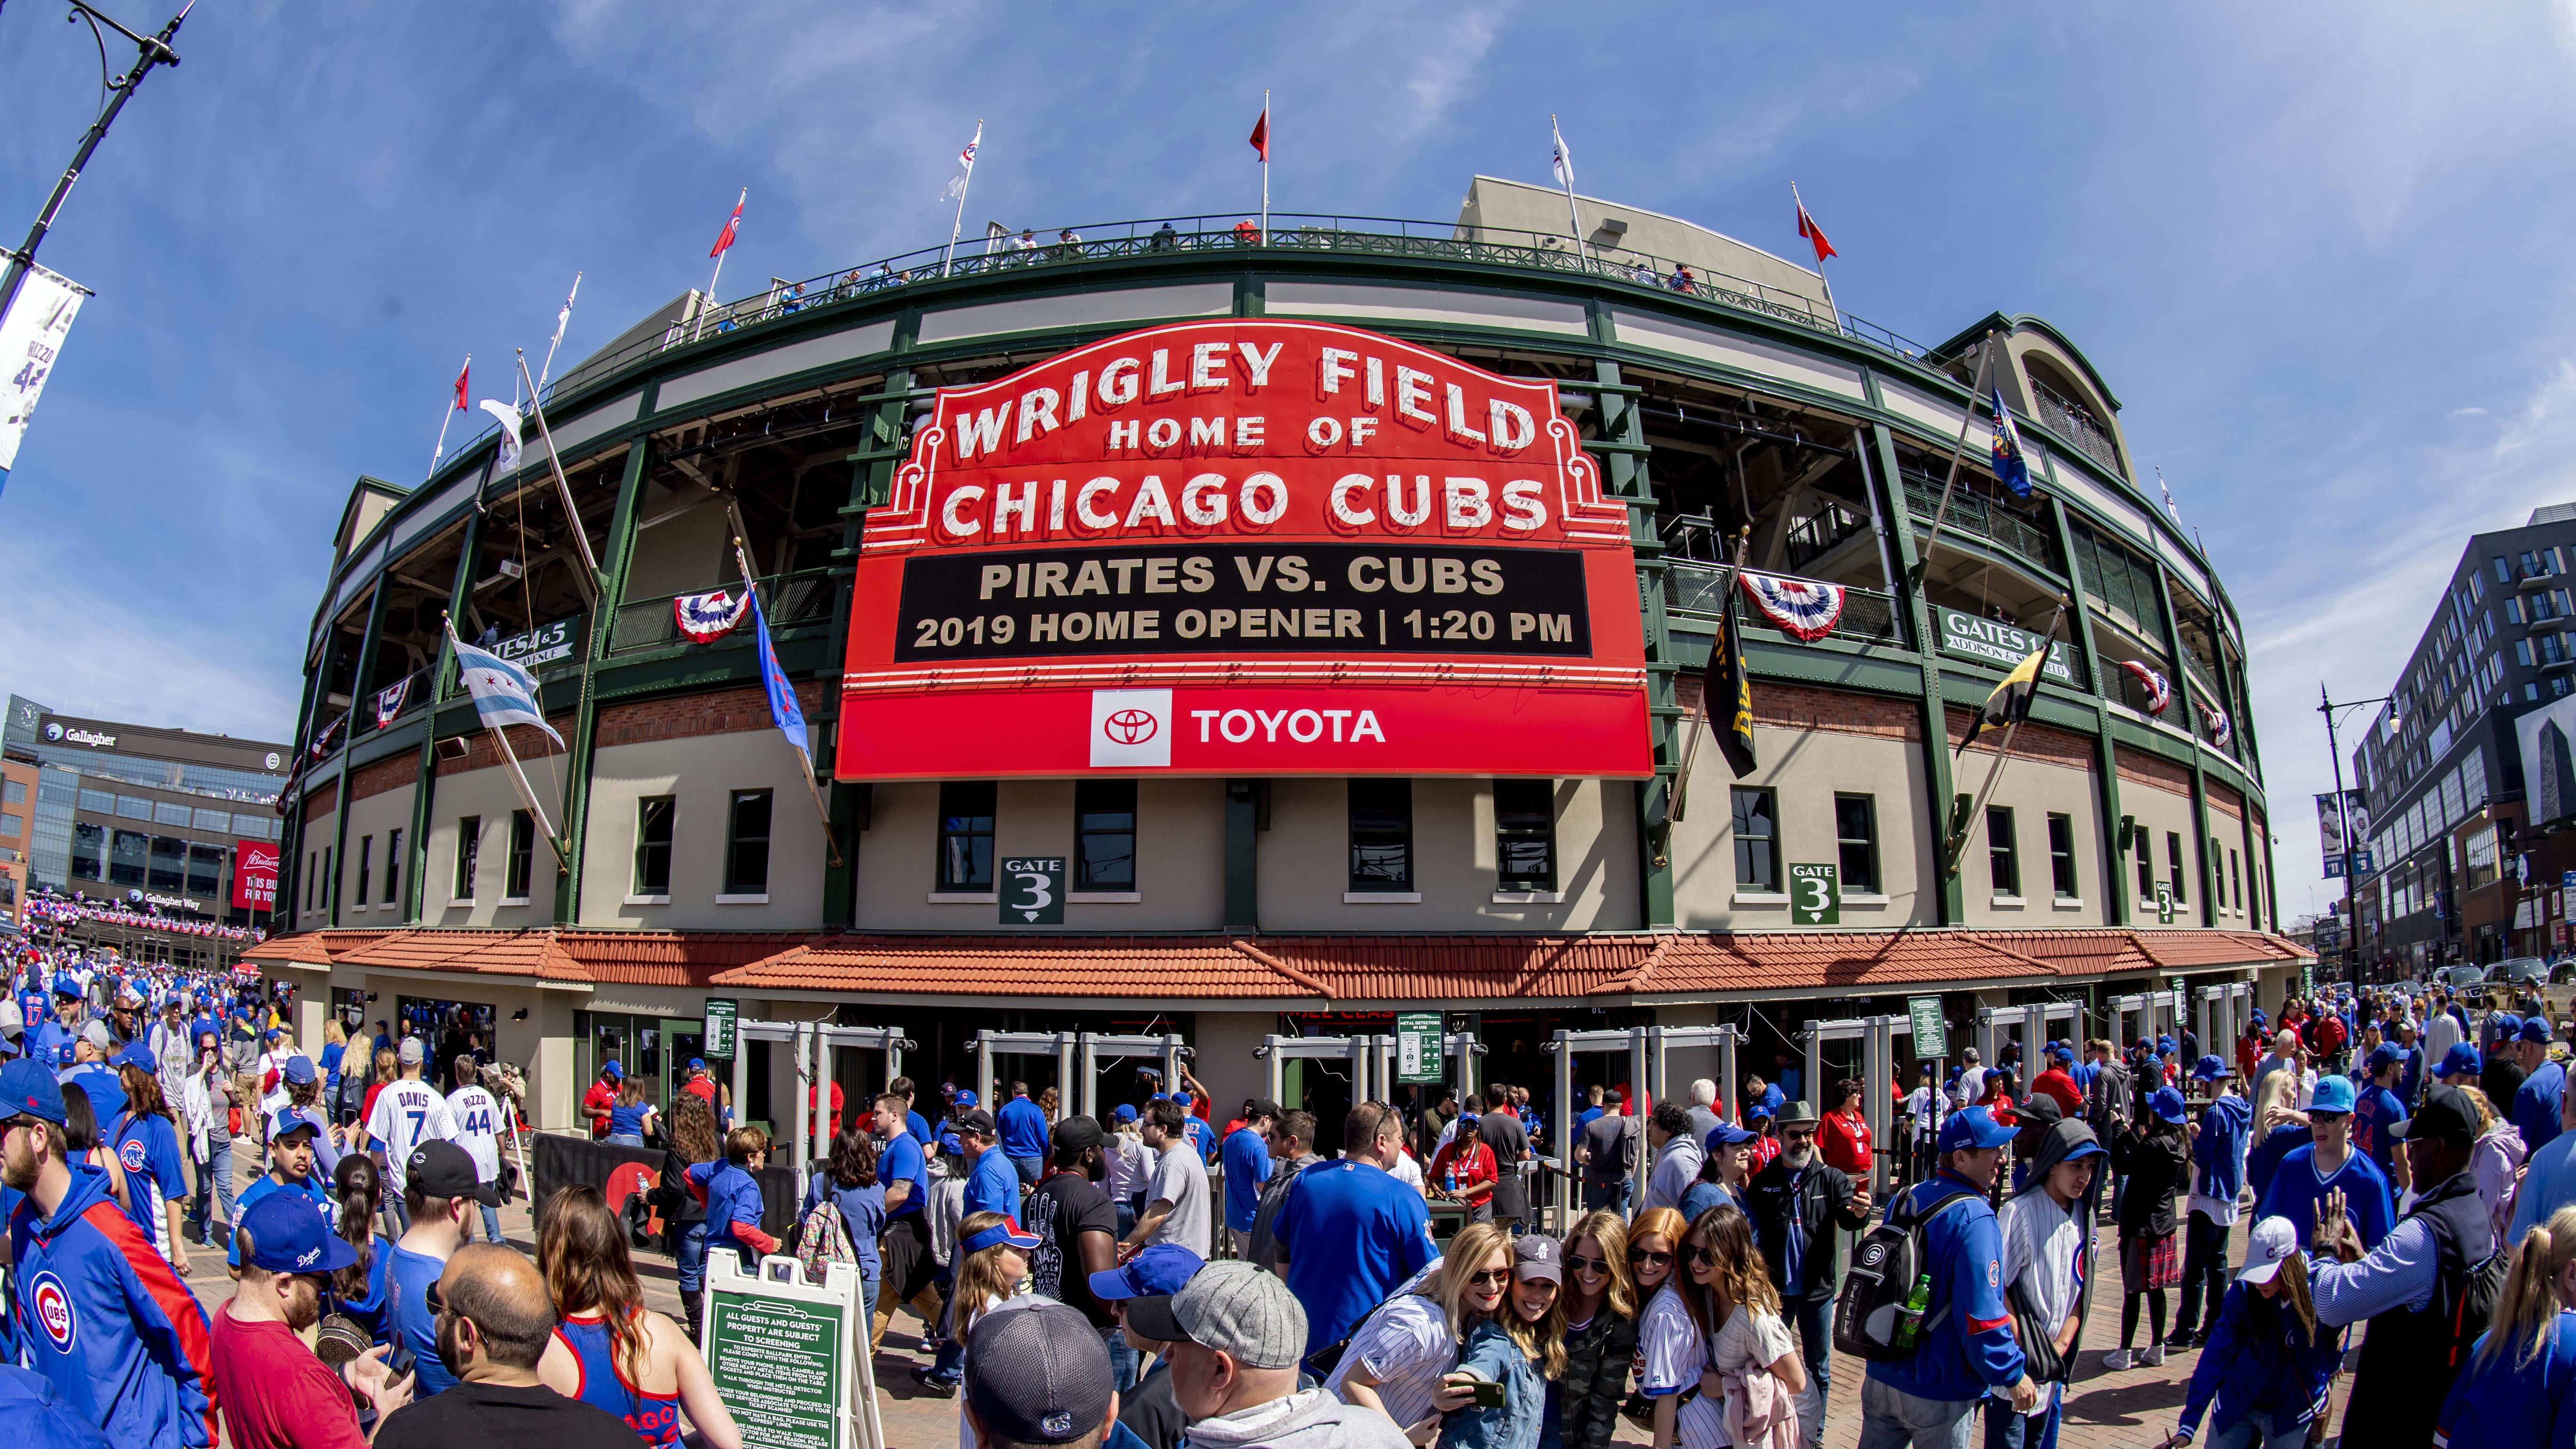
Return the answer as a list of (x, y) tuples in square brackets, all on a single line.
[(1642, 1255), (1588, 1265), (1703, 1257), (1496, 1277)]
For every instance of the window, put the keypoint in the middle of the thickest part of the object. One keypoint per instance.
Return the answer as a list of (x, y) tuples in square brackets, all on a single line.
[(522, 867), (1382, 836), (130, 808), (212, 821), (2003, 867), (2236, 881), (2173, 863), (98, 802), (2503, 570), (255, 827), (1104, 835), (366, 867), (393, 866), (165, 813), (2522, 653), (469, 853), (653, 819), (13, 792), (88, 852), (2141, 845), (326, 878), (12, 825), (1757, 841), (312, 869), (747, 844), (966, 835), (205, 870), (2061, 857), (1525, 835), (1856, 842), (169, 864), (2480, 859)]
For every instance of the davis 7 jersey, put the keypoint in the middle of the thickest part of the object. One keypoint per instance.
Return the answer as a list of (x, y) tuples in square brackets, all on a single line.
[(408, 1113)]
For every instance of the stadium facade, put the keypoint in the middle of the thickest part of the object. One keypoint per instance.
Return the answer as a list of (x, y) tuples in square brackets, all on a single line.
[(1022, 521)]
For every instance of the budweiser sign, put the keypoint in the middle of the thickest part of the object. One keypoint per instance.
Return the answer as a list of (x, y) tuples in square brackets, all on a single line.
[(254, 875)]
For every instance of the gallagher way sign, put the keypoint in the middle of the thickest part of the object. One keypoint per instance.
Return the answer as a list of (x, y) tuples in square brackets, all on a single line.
[(1991, 641)]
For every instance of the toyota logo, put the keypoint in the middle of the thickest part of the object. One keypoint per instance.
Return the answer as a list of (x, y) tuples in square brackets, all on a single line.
[(1130, 726)]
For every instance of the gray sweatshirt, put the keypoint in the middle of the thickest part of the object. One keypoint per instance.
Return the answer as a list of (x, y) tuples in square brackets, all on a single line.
[(1313, 1419)]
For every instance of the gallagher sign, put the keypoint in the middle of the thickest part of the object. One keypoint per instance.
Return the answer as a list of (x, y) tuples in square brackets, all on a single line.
[(1246, 547)]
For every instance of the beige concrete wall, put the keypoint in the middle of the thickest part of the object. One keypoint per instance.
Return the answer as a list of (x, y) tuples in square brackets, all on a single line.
[(701, 773), (1807, 769), (2225, 836), (2161, 812), (315, 838), (1513, 206), (489, 797), (1305, 861), (2033, 790), (1226, 1064), (375, 817), (1180, 857)]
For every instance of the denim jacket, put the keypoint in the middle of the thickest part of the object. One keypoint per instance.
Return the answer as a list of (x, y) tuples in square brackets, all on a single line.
[(1491, 1355)]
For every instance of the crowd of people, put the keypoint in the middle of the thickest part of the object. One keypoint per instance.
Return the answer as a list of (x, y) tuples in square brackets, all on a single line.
[(2368, 1186)]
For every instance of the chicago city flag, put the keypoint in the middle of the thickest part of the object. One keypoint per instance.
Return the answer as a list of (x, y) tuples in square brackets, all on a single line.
[(504, 694)]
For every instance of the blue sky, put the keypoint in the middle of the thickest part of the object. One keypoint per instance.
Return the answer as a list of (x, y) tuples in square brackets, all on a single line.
[(2317, 251)]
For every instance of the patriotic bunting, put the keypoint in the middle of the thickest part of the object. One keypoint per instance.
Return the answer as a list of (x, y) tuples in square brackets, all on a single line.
[(2159, 690), (390, 702), (705, 618), (1804, 609), (2220, 728)]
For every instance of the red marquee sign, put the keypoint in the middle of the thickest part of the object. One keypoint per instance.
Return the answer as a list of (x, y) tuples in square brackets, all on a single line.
[(254, 875), (1246, 547)]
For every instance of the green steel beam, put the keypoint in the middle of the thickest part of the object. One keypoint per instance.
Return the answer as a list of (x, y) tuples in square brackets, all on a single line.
[(1624, 478), (1951, 899), (469, 562), (357, 697), (2106, 761), (620, 550)]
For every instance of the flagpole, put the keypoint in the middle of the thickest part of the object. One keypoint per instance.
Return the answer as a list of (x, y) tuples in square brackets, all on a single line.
[(566, 319), (965, 184), (2003, 752), (1265, 167), (699, 325), (1985, 360), (1699, 712), (1821, 279), (751, 586), (563, 486), (1565, 164), (446, 417)]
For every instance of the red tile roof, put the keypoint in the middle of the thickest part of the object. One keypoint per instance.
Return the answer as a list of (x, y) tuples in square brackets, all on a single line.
[(1626, 965)]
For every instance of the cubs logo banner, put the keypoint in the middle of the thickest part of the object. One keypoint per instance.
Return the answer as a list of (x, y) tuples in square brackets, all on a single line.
[(1248, 546)]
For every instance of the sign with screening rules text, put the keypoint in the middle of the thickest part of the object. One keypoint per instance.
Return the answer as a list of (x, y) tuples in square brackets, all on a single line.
[(1247, 504)]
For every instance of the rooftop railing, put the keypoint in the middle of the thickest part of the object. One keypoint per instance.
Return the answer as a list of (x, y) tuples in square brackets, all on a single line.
[(2076, 424)]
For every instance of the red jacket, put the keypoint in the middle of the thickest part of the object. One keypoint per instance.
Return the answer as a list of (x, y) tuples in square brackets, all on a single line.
[(2062, 1089), (1844, 1140)]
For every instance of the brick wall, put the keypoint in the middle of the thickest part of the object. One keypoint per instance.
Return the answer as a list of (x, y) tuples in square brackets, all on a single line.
[(2224, 799), (390, 773), (1804, 707), (718, 712), (2139, 768), (482, 753), (2030, 742), (322, 802)]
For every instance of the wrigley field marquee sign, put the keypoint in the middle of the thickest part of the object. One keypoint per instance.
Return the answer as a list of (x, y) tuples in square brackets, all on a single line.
[(1246, 548)]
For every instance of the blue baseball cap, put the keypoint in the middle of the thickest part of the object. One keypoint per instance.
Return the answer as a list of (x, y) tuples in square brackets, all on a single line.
[(968, 1099), (1158, 1271), (2502, 1026), (288, 1119), (2164, 1044), (2334, 1094), (2461, 1060), (1727, 1134), (1006, 1231), (2209, 1068), (2383, 1055), (288, 1236), (2258, 1016), (28, 1089), (1973, 1128), (2536, 1029), (298, 1069), (2167, 1104), (697, 1064), (1124, 1113), (610, 1068), (65, 985), (949, 1144)]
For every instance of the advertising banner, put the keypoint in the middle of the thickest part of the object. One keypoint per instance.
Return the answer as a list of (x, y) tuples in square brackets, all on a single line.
[(254, 875), (1246, 548), (2548, 763)]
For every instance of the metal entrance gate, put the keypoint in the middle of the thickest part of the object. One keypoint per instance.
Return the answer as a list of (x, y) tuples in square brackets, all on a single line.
[(1644, 1047), (1077, 1061), (2222, 1012), (1371, 1060), (811, 1043), (2030, 1024), (2144, 1017), (1877, 1037)]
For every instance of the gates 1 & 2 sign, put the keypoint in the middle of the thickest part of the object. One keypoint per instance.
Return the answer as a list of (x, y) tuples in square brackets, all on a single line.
[(1246, 547)]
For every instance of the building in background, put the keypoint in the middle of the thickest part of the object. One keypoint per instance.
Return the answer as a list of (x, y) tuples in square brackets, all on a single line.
[(2465, 769), (1002, 685)]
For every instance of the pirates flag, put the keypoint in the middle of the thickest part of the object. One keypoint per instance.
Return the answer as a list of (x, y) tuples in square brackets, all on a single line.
[(1735, 702), (2010, 702)]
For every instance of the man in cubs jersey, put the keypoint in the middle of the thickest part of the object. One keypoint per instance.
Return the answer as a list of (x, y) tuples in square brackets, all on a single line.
[(408, 1113), (477, 1114)]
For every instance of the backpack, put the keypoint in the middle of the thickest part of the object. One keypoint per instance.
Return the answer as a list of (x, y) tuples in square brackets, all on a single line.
[(822, 1240), (1884, 1266), (2464, 1294)]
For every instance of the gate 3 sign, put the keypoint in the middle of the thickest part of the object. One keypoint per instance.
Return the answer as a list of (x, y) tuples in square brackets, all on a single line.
[(1032, 891), (1246, 547)]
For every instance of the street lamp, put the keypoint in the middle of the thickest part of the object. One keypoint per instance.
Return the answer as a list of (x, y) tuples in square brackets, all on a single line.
[(2327, 705)]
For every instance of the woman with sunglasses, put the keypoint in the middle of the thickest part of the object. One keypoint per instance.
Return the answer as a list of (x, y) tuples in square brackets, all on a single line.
[(1521, 1348), (1600, 1336), (1400, 1358), (1720, 1319), (611, 1350)]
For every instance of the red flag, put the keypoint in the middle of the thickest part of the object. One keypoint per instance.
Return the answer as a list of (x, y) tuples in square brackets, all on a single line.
[(1261, 134), (733, 223), (1808, 229), (460, 383)]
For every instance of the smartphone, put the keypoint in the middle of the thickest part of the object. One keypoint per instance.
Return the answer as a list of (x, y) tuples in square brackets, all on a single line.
[(1488, 1395)]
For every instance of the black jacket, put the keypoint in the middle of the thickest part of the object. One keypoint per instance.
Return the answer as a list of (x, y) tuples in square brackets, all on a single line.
[(2157, 1168), (1822, 1193)]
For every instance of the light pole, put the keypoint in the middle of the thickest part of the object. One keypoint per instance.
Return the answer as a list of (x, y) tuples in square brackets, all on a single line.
[(152, 50), (2327, 705)]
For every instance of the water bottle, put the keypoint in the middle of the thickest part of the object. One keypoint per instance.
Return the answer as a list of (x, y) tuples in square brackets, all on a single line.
[(1909, 1318), (1449, 1178)]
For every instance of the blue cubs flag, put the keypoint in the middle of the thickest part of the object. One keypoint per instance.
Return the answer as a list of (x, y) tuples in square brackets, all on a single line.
[(783, 708), (504, 693), (2011, 469)]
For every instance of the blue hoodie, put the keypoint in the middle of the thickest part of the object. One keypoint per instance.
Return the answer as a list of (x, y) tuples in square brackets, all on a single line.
[(107, 1323), (2505, 1403), (2266, 1157), (2219, 1152), (1967, 1345), (2257, 1362)]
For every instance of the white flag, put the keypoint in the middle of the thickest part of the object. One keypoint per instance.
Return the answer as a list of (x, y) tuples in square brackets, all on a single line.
[(31, 336), (509, 419), (504, 694), (563, 318), (1564, 161), (965, 167)]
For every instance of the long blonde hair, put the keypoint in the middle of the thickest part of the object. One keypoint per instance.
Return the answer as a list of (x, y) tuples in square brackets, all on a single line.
[(2529, 1306), (1465, 1255), (980, 1280), (1609, 1233), (2273, 1100)]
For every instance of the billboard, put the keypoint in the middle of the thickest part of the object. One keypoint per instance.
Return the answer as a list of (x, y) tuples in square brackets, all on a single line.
[(2548, 761), (1246, 547), (254, 875)]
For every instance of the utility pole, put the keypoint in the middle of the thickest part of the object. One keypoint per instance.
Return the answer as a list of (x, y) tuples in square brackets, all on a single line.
[(152, 50), (2327, 705)]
